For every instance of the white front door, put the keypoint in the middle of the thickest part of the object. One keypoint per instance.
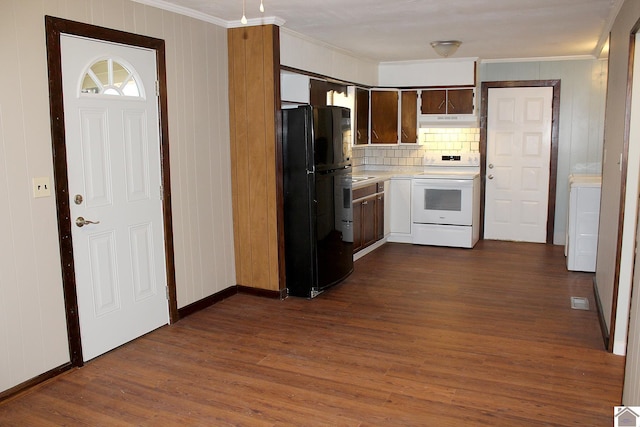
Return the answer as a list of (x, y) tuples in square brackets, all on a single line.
[(518, 163), (114, 176)]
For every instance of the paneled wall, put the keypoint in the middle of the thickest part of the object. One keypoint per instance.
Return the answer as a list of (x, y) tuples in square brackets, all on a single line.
[(254, 97), (32, 320), (582, 105)]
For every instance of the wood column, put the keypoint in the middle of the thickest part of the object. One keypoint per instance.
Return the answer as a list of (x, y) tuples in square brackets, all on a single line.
[(256, 156)]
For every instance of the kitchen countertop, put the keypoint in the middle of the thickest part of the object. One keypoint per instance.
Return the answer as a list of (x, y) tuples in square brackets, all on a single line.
[(375, 175)]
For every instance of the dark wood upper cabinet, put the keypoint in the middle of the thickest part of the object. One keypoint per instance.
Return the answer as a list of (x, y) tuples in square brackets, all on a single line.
[(362, 116), (447, 101), (409, 116), (434, 101), (318, 93), (460, 101), (321, 92), (384, 117)]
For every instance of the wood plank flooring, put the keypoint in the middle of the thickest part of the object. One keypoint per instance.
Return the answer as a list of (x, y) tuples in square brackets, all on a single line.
[(416, 336)]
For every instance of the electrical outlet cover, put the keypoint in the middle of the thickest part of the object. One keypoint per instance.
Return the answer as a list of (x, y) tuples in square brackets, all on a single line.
[(41, 187)]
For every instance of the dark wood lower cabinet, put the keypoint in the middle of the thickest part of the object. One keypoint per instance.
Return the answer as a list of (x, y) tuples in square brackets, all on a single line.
[(357, 226), (368, 216), (379, 206)]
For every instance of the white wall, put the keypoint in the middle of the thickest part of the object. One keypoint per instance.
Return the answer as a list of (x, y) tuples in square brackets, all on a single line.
[(33, 336), (630, 275), (306, 54), (434, 72), (612, 178), (582, 105)]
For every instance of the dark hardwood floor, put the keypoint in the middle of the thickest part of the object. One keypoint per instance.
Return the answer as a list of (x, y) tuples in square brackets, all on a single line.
[(416, 336)]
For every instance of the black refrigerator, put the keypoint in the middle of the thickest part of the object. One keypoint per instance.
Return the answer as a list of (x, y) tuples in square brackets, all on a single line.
[(318, 219)]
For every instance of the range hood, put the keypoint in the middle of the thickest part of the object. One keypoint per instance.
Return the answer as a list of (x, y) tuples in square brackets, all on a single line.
[(448, 120)]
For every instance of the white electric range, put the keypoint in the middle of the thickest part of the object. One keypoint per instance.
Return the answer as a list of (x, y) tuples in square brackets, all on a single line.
[(446, 201)]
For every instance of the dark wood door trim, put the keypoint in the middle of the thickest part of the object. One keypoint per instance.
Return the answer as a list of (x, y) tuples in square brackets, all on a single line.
[(54, 28), (553, 164)]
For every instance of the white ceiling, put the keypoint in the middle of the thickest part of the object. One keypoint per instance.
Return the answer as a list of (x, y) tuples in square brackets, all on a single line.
[(398, 30)]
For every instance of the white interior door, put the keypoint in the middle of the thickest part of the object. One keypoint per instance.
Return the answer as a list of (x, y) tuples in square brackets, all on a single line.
[(113, 164), (518, 163)]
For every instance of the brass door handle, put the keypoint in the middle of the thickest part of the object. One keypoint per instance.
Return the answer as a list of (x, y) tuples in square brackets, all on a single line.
[(81, 222)]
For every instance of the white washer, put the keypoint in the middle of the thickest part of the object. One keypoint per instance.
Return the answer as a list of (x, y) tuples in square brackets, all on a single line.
[(582, 225)]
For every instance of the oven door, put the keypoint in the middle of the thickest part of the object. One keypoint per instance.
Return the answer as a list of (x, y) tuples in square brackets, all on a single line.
[(442, 201)]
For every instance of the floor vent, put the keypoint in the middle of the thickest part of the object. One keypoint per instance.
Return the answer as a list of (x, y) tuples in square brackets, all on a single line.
[(579, 303)]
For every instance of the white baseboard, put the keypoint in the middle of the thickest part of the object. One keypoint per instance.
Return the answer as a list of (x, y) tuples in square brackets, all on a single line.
[(369, 249)]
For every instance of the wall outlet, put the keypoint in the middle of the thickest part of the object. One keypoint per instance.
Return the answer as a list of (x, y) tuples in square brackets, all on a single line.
[(41, 187)]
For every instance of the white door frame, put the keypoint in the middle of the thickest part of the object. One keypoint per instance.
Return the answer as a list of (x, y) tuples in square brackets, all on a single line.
[(553, 167), (54, 28)]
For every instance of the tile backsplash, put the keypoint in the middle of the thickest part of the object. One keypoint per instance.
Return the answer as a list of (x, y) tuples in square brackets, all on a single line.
[(430, 141)]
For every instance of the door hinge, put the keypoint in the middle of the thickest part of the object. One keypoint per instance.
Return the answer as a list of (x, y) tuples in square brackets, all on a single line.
[(167, 292), (157, 88), (161, 193)]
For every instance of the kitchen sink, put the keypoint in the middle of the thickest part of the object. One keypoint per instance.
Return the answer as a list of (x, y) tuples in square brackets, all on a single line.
[(358, 178)]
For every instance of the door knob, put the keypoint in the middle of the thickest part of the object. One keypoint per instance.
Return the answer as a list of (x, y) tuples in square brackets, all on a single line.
[(81, 222), (490, 165), (490, 177)]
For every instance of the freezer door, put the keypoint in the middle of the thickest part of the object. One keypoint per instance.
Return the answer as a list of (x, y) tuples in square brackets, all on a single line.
[(331, 137), (334, 226)]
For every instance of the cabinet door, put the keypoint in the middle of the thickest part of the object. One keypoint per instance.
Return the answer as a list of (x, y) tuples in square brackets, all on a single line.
[(434, 101), (409, 116), (369, 232), (400, 200), (318, 93), (357, 226), (379, 202), (460, 101), (384, 117), (362, 116)]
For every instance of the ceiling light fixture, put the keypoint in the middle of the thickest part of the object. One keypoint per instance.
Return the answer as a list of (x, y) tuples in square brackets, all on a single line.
[(446, 48), (243, 20)]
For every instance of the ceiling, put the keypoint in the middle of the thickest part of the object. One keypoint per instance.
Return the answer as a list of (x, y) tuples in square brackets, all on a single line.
[(401, 30)]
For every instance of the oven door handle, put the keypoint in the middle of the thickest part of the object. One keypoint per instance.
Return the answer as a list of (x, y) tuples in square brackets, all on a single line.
[(442, 183)]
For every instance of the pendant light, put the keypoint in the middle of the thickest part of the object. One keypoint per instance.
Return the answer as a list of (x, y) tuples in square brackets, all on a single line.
[(243, 20)]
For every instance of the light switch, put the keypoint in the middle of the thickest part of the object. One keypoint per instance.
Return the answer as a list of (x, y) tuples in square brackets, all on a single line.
[(41, 187)]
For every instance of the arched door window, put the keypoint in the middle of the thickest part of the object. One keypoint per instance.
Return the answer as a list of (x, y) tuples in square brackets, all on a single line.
[(111, 77)]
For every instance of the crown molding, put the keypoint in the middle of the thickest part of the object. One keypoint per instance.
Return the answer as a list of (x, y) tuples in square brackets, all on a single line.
[(540, 59), (185, 11), (266, 20)]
